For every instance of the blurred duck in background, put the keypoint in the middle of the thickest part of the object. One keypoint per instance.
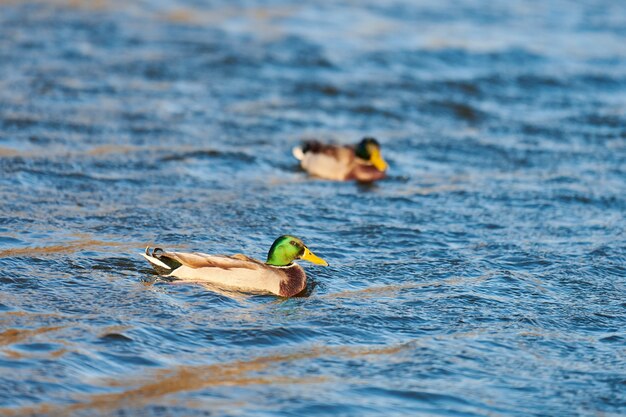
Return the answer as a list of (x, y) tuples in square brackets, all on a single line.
[(361, 162)]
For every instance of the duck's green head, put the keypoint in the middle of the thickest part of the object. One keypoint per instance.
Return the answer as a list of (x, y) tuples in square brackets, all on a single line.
[(287, 249), (369, 149)]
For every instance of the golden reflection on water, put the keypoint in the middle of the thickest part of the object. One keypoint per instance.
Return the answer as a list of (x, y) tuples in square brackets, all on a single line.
[(192, 15), (15, 355), (11, 336), (71, 247), (29, 315), (393, 289), (4, 152), (79, 4), (153, 388)]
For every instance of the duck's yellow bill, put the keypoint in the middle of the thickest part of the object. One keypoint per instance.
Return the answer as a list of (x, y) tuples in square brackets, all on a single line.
[(311, 257), (377, 160)]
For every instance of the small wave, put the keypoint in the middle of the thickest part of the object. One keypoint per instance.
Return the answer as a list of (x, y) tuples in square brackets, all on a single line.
[(11, 336), (208, 153), (144, 390), (71, 247)]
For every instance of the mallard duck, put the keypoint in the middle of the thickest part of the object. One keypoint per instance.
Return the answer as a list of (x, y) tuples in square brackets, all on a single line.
[(279, 275), (361, 162)]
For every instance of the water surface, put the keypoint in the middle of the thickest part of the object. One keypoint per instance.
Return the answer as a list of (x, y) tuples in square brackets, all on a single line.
[(485, 276)]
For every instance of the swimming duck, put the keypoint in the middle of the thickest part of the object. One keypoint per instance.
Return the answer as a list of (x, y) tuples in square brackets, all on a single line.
[(361, 162), (279, 275)]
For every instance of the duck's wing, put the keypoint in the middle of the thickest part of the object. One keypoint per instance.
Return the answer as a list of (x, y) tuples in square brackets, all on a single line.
[(329, 149), (197, 260), (166, 262), (326, 161)]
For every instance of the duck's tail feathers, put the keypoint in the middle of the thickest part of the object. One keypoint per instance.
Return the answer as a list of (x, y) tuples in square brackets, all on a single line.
[(158, 262), (298, 153)]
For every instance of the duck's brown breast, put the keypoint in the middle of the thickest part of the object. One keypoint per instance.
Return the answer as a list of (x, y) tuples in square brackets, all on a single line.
[(293, 282), (365, 172)]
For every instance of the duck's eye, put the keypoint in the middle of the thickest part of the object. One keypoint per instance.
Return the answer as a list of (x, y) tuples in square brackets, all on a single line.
[(294, 243)]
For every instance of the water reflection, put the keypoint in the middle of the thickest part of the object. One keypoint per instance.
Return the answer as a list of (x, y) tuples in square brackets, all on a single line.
[(487, 269)]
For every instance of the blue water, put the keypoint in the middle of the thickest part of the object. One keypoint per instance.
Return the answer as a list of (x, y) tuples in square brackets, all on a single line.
[(485, 276)]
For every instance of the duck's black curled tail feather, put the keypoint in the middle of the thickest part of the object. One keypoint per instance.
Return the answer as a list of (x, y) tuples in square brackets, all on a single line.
[(314, 146), (160, 261)]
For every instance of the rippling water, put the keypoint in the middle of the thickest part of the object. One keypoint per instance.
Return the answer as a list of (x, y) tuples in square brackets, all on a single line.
[(486, 276)]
